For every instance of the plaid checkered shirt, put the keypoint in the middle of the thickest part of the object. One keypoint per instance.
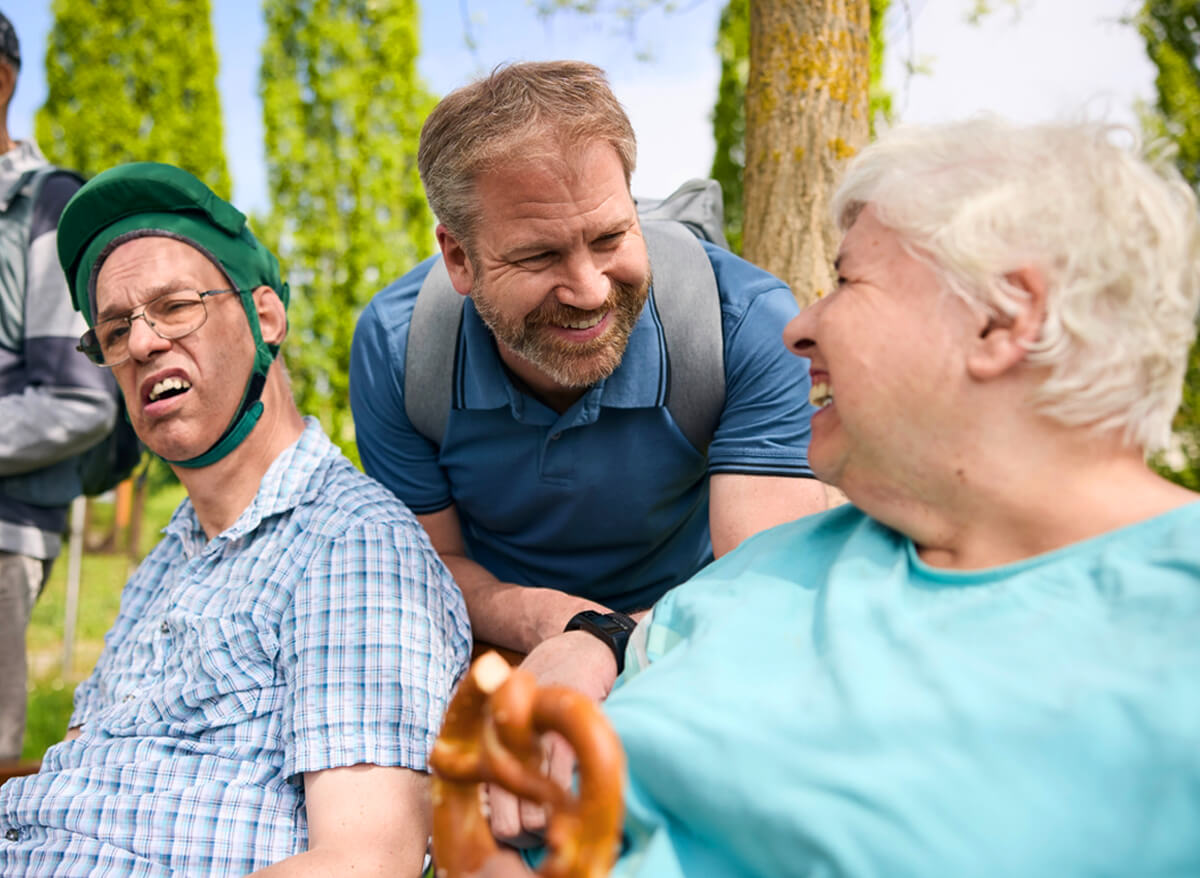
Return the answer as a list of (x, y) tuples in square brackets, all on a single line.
[(320, 630)]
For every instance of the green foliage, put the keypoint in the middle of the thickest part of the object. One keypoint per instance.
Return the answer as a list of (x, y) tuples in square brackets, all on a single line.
[(880, 101), (132, 80), (978, 10), (1171, 29), (342, 107), (729, 112)]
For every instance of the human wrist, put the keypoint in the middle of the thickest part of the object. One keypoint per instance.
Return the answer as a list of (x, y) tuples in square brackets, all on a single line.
[(610, 628)]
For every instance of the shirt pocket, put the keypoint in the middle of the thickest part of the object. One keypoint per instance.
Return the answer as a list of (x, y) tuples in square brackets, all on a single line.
[(209, 675)]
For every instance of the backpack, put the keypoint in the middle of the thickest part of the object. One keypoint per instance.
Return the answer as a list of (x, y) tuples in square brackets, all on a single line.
[(684, 294), (112, 459)]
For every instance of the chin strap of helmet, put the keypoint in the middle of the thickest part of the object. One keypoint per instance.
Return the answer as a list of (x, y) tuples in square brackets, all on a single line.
[(251, 407)]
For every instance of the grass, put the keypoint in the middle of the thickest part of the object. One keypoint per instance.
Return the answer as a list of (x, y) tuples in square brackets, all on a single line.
[(103, 575)]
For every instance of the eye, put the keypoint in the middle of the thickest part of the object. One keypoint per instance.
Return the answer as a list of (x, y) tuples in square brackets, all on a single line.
[(109, 334), (609, 242), (537, 260)]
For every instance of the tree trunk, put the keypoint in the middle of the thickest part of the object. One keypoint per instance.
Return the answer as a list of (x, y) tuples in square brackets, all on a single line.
[(806, 113)]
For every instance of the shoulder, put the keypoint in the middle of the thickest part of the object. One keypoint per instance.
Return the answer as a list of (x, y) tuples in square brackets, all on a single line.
[(740, 282), (381, 334), (391, 308), (345, 510), (57, 188)]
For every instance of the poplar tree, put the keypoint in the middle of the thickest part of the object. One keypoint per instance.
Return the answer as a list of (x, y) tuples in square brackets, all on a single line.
[(342, 110), (133, 80), (1171, 30)]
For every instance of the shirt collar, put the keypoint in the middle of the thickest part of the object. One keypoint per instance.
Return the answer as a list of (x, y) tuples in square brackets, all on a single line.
[(294, 478), (482, 382)]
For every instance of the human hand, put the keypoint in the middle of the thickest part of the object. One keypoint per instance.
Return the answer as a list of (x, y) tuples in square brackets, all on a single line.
[(575, 659)]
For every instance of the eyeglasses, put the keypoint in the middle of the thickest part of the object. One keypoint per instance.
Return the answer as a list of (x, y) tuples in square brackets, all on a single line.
[(171, 315)]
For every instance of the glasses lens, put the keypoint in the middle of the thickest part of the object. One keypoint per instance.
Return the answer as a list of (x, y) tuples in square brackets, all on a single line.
[(111, 340), (91, 347), (176, 314), (172, 315)]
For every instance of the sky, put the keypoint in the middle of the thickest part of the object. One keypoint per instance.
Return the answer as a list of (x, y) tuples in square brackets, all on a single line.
[(1046, 59)]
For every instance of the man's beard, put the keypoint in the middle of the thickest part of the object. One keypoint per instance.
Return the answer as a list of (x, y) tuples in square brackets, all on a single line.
[(568, 364)]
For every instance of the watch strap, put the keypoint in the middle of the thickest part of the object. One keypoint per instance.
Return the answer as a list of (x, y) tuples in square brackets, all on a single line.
[(612, 629)]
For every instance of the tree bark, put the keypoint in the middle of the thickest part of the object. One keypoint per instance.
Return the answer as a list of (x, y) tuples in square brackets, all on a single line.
[(806, 114)]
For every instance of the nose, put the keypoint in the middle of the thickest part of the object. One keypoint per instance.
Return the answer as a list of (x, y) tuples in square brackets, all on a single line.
[(143, 340), (798, 334), (585, 285)]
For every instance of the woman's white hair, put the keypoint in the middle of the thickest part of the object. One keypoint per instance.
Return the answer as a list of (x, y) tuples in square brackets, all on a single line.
[(1115, 235)]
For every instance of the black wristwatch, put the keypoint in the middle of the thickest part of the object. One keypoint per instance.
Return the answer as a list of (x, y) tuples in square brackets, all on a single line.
[(612, 628)]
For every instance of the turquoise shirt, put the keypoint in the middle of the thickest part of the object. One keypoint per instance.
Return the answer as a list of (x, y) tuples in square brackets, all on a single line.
[(821, 702)]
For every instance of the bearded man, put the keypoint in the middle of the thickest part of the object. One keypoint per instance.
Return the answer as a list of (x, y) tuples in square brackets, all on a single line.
[(562, 483)]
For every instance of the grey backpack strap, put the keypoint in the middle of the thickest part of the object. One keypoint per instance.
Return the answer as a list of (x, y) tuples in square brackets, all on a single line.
[(429, 359), (689, 307)]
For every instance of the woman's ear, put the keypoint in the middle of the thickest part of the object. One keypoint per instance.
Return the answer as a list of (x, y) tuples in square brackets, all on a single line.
[(1004, 341), (272, 315)]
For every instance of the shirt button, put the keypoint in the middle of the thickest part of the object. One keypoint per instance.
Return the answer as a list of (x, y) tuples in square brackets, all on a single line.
[(13, 835), (556, 435), (164, 628)]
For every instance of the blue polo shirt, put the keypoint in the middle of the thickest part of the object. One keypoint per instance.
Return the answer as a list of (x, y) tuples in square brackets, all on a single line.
[(608, 500)]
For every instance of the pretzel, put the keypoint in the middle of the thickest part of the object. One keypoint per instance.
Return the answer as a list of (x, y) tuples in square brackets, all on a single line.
[(492, 734)]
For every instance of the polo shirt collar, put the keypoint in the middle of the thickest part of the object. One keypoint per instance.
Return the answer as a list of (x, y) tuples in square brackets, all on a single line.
[(482, 382)]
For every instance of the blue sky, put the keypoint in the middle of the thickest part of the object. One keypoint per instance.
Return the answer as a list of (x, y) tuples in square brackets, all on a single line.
[(1049, 60)]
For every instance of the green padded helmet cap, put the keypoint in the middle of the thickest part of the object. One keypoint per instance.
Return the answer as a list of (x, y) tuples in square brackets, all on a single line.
[(155, 197)]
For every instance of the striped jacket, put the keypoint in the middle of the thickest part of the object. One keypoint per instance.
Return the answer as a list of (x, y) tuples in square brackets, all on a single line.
[(53, 402)]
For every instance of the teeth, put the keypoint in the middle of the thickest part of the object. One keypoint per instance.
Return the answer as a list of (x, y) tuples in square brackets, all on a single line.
[(821, 394), (168, 384), (585, 322)]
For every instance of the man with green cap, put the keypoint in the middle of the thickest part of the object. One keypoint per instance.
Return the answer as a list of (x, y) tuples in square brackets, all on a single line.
[(283, 657)]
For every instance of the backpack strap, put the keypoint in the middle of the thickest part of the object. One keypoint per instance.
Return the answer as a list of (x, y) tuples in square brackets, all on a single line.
[(689, 309), (430, 355)]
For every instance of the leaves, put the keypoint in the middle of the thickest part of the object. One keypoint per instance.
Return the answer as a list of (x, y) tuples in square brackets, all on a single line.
[(1171, 29), (133, 80), (342, 107)]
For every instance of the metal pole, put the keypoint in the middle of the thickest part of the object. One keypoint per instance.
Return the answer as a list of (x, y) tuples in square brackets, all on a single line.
[(74, 569)]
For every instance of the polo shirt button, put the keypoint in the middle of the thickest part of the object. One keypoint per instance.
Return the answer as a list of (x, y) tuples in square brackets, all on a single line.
[(13, 835), (164, 628), (556, 435)]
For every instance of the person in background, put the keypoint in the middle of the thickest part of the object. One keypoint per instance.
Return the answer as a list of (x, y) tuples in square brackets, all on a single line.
[(53, 403)]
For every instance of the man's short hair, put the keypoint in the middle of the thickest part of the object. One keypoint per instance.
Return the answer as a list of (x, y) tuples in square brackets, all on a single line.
[(1114, 233), (485, 124), (10, 46)]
